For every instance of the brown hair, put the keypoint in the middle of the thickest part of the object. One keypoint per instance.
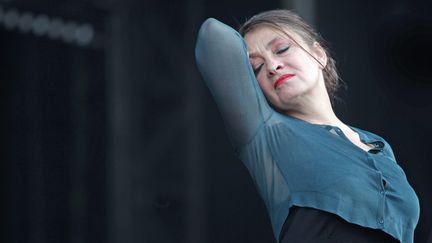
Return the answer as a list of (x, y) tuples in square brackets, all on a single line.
[(285, 18)]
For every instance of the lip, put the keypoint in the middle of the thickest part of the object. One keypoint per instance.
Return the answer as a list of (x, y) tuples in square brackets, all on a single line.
[(282, 79)]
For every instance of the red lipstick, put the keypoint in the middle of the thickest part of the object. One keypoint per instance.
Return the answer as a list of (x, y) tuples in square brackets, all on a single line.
[(282, 79)]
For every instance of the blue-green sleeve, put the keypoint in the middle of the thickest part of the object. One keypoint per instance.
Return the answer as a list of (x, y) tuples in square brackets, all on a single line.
[(222, 59)]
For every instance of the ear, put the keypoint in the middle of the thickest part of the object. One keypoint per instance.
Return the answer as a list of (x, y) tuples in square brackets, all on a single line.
[(319, 54)]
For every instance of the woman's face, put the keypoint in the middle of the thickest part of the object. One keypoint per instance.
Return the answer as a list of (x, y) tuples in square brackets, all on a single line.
[(285, 72)]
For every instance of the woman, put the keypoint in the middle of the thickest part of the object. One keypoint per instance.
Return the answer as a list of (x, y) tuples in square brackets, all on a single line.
[(321, 180)]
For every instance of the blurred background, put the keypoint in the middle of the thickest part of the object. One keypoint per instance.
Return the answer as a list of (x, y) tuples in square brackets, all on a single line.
[(108, 133)]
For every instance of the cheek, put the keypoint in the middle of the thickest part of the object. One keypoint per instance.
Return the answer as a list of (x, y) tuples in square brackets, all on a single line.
[(309, 64), (264, 84), (268, 90)]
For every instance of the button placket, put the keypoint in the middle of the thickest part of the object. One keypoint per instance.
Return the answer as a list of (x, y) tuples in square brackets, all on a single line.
[(371, 160), (382, 197)]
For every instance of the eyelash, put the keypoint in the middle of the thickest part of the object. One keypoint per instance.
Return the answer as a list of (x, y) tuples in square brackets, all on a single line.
[(256, 70), (278, 52), (282, 50)]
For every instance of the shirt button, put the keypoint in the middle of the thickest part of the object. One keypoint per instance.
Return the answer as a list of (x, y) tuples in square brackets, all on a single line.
[(381, 221), (382, 192)]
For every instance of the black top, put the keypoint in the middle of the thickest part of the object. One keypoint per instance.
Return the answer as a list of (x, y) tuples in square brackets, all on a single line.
[(308, 225)]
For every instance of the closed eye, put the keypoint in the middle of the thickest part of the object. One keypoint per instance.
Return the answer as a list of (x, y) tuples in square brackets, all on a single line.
[(257, 68), (282, 50)]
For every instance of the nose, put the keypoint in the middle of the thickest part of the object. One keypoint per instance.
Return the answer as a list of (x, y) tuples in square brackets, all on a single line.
[(274, 67)]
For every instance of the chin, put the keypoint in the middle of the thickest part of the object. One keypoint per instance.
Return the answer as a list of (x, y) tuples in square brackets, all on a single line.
[(288, 97)]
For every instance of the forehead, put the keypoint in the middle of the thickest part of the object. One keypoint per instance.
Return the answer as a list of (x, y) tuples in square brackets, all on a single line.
[(261, 36)]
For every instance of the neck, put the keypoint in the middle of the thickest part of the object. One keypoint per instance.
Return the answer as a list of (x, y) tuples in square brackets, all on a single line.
[(317, 115), (316, 109)]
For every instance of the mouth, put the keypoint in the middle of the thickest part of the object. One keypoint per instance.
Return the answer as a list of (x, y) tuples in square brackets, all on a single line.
[(282, 79)]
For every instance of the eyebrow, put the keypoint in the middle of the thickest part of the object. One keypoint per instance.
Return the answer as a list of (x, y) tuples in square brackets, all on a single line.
[(253, 54)]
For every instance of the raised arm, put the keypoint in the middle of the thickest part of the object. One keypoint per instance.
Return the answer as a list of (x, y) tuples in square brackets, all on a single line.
[(222, 59)]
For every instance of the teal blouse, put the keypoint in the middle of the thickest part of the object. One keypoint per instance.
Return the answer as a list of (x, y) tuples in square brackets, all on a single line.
[(293, 162)]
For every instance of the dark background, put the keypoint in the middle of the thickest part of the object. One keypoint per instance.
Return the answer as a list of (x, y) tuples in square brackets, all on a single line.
[(116, 138)]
